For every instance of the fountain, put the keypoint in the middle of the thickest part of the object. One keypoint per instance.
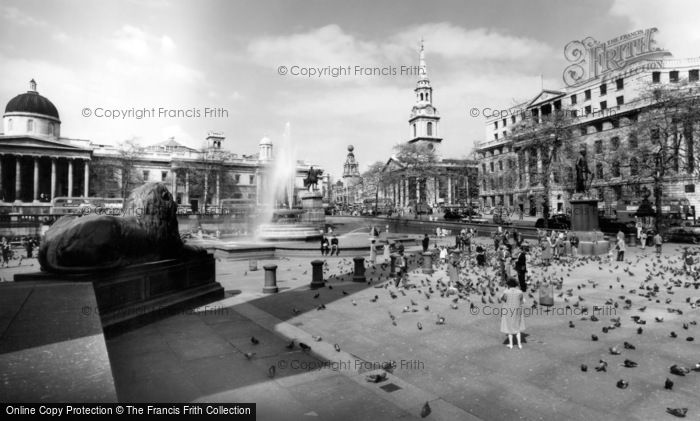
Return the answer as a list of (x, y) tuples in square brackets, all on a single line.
[(278, 219)]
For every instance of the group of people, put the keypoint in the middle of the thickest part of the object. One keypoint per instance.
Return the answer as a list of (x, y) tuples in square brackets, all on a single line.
[(29, 244), (555, 244), (330, 246)]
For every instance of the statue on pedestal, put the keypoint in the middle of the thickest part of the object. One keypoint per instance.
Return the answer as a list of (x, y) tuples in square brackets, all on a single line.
[(311, 180), (584, 177)]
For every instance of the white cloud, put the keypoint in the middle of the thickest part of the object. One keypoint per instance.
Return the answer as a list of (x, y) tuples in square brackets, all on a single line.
[(677, 21), (16, 16), (132, 40)]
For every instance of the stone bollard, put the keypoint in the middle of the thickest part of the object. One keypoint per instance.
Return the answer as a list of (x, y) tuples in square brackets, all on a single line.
[(317, 274), (359, 275), (428, 262), (270, 279), (372, 252), (392, 268), (252, 264), (387, 252)]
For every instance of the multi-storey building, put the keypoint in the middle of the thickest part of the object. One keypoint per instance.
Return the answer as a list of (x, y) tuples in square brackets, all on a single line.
[(38, 165), (604, 109)]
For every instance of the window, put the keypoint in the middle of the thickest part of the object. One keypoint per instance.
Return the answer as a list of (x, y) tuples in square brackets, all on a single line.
[(573, 99), (495, 125), (9, 124), (146, 173), (512, 119), (573, 113), (615, 169), (673, 76), (620, 84), (30, 125), (505, 121), (50, 129), (690, 188), (504, 134), (495, 136), (163, 175), (634, 167), (655, 77), (483, 168), (492, 169), (430, 128), (237, 178), (615, 143), (620, 100), (693, 75), (633, 141), (500, 165), (598, 144), (603, 89), (251, 179), (587, 94), (603, 105), (615, 123), (599, 170), (655, 135)]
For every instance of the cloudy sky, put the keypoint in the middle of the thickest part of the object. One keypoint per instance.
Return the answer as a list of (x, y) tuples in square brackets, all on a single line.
[(191, 55)]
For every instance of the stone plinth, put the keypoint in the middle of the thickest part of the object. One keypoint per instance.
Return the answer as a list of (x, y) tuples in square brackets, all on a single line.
[(270, 279), (584, 215), (312, 204), (359, 273), (147, 290), (317, 274)]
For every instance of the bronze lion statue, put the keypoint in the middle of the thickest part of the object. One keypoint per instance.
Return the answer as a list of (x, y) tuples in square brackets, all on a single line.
[(147, 231)]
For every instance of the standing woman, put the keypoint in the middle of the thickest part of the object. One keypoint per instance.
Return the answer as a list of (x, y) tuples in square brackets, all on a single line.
[(512, 317), (546, 250)]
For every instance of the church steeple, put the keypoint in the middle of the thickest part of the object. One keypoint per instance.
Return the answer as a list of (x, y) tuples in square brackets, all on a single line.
[(424, 119)]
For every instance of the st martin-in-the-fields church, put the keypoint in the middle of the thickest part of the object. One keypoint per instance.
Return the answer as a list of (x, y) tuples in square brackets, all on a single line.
[(443, 182)]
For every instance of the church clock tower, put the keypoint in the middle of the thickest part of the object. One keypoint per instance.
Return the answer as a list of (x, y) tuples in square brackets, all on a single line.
[(423, 123)]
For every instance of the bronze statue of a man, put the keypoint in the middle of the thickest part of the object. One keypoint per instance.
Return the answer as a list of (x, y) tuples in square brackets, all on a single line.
[(583, 174)]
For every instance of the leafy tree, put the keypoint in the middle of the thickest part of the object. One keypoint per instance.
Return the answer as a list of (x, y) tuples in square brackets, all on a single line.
[(417, 160)]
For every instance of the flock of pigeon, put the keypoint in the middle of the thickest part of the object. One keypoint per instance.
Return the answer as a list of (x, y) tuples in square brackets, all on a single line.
[(660, 280)]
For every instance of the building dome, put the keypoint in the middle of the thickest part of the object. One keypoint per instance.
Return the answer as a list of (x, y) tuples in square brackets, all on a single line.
[(32, 102), (265, 141)]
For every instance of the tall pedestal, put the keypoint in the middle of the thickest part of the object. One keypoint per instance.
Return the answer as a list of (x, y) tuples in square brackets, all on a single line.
[(585, 225), (312, 204)]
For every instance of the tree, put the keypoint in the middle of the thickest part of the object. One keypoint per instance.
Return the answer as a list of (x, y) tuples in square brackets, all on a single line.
[(418, 161), (660, 146), (117, 174), (551, 139), (373, 180)]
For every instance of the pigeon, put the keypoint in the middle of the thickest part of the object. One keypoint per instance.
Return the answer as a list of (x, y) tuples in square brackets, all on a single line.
[(630, 364), (316, 338), (614, 351), (376, 378), (668, 385), (440, 320), (345, 292), (318, 294), (296, 310), (602, 366), (254, 340), (679, 370), (639, 331), (594, 337), (628, 345), (584, 367), (337, 347), (304, 347), (271, 371), (571, 324), (420, 326), (622, 384), (673, 334), (249, 355), (290, 345), (354, 302), (321, 307), (678, 412), (690, 339), (425, 411)]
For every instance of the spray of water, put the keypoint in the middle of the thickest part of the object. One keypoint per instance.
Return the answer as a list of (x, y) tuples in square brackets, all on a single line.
[(278, 188)]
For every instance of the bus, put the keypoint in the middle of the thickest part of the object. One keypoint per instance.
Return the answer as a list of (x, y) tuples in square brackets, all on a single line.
[(86, 205)]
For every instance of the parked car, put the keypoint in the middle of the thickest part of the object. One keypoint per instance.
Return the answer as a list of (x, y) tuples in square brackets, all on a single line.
[(610, 225), (558, 221), (687, 234)]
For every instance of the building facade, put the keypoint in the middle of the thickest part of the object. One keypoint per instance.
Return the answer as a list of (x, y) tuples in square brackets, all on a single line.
[(604, 110), (38, 166)]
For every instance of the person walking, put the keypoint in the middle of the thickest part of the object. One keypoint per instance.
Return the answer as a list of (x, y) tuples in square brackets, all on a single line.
[(372, 252), (658, 241), (512, 315), (643, 239), (335, 248), (425, 243), (5, 250), (480, 256), (504, 263), (521, 269), (621, 249), (687, 261), (574, 245), (324, 245), (546, 250), (402, 266)]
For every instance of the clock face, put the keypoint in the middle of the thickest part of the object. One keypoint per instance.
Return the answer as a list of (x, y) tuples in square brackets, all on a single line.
[(431, 146)]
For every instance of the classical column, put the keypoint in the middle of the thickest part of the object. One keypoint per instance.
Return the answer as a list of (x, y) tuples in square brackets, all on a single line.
[(217, 190), (417, 190), (36, 179), (173, 186), (526, 153), (187, 187), (86, 177), (406, 191), (449, 190), (257, 187), (52, 193), (18, 178), (70, 177), (2, 195)]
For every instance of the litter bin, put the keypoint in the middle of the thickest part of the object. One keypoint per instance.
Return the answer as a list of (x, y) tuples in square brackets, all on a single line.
[(547, 294), (253, 264)]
